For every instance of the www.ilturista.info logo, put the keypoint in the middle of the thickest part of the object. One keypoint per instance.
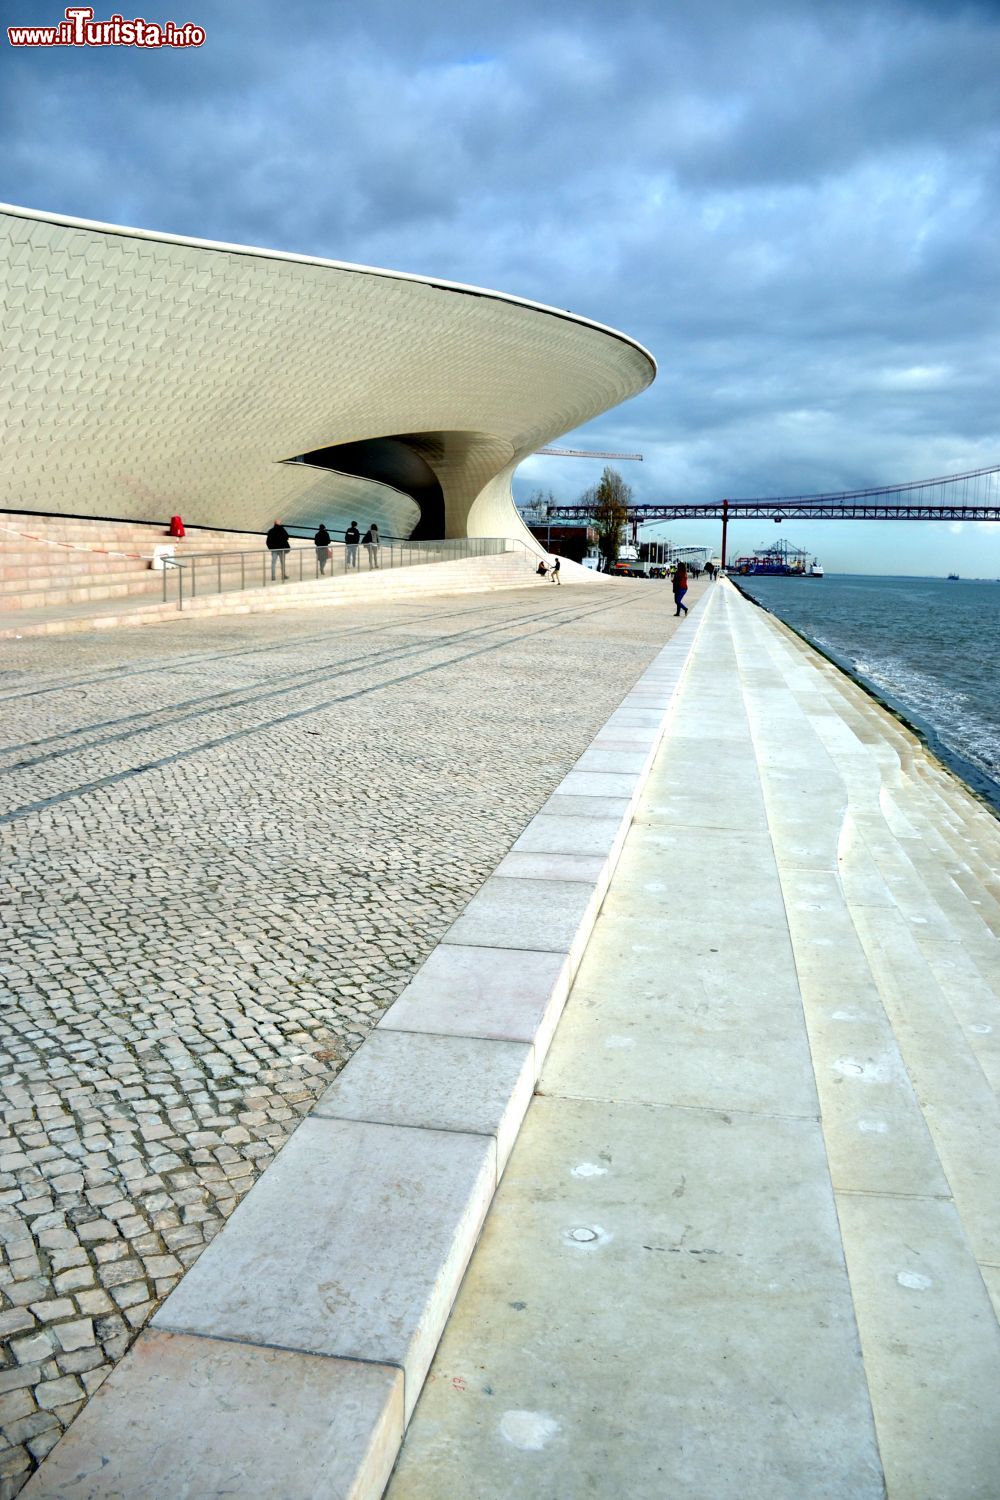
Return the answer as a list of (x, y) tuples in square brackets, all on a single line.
[(81, 30)]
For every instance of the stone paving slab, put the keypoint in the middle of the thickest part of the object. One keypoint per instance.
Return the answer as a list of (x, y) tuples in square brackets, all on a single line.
[(353, 1244), (583, 869), (468, 1084), (566, 833), (658, 1308), (729, 1026), (198, 1417), (548, 915), (932, 1345), (511, 994)]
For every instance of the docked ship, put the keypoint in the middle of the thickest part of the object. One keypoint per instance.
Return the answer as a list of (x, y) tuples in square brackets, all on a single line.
[(780, 559)]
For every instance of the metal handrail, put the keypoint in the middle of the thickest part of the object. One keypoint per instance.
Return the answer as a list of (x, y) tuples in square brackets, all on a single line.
[(237, 571)]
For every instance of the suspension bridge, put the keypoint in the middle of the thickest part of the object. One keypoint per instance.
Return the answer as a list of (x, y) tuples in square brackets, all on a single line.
[(973, 496)]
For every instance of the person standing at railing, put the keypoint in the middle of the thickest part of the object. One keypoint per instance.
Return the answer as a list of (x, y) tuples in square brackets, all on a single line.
[(278, 545), (371, 541), (352, 537), (321, 541)]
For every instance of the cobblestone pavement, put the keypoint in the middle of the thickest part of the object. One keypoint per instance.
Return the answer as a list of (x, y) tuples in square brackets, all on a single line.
[(228, 846)]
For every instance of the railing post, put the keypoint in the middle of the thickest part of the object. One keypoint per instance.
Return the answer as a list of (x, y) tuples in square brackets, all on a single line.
[(218, 573), (180, 587), (194, 576), (243, 571), (301, 552)]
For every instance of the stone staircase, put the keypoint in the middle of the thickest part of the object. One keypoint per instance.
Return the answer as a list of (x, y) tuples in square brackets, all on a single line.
[(889, 870), (60, 574), (48, 561)]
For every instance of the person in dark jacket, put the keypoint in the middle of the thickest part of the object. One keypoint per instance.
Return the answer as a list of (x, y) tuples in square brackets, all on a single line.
[(278, 545), (352, 537), (556, 569), (321, 541)]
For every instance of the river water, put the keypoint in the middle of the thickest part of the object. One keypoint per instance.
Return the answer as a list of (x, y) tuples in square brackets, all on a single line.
[(929, 647)]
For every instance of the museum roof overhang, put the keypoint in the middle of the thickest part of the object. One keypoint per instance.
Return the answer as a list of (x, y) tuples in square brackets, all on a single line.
[(198, 369)]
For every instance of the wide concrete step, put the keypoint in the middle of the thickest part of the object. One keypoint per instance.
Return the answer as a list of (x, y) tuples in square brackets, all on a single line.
[(23, 525), (894, 964), (956, 841), (474, 575), (148, 585), (32, 568)]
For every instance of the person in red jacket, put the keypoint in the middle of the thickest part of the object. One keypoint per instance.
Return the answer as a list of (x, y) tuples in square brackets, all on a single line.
[(680, 588)]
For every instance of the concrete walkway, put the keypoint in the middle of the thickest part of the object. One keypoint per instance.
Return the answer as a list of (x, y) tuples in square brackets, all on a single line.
[(746, 1243), (183, 1000)]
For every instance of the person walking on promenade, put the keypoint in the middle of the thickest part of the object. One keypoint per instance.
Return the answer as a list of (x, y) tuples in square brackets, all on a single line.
[(352, 537), (373, 543), (554, 575), (321, 541), (278, 545), (709, 569), (680, 588)]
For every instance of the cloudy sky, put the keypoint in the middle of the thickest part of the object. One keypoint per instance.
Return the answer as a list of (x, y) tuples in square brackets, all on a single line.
[(795, 206)]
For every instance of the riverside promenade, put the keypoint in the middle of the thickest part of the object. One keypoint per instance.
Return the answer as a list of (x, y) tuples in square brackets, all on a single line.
[(229, 844), (747, 1237), (747, 1241)]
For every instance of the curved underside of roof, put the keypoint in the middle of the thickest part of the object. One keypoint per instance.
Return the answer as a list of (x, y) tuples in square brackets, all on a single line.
[(148, 375)]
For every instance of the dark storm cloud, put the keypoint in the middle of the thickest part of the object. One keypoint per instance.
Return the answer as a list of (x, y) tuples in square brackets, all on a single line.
[(795, 206)]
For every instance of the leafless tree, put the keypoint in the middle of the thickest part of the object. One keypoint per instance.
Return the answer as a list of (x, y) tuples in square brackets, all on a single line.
[(608, 502)]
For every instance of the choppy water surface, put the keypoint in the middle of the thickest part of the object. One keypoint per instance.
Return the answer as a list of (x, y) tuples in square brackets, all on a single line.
[(930, 647)]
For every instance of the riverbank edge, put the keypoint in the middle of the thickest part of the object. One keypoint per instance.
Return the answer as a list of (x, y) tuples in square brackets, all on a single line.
[(978, 783)]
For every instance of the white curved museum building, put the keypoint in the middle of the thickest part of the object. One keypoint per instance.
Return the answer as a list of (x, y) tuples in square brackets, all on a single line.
[(146, 375)]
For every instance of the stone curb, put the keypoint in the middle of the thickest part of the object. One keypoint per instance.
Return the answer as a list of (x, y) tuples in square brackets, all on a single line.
[(289, 1359)]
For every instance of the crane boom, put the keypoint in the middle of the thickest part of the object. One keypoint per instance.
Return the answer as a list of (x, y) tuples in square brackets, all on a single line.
[(587, 453)]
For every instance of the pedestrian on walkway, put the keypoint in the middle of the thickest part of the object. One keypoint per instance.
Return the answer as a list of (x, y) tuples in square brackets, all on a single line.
[(554, 576), (680, 588), (352, 537), (321, 541), (278, 545), (372, 542)]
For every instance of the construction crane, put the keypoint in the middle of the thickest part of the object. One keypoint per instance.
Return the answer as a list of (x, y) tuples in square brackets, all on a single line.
[(584, 453)]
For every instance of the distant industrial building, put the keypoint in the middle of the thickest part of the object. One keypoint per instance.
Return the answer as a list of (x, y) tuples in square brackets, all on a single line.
[(573, 542)]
